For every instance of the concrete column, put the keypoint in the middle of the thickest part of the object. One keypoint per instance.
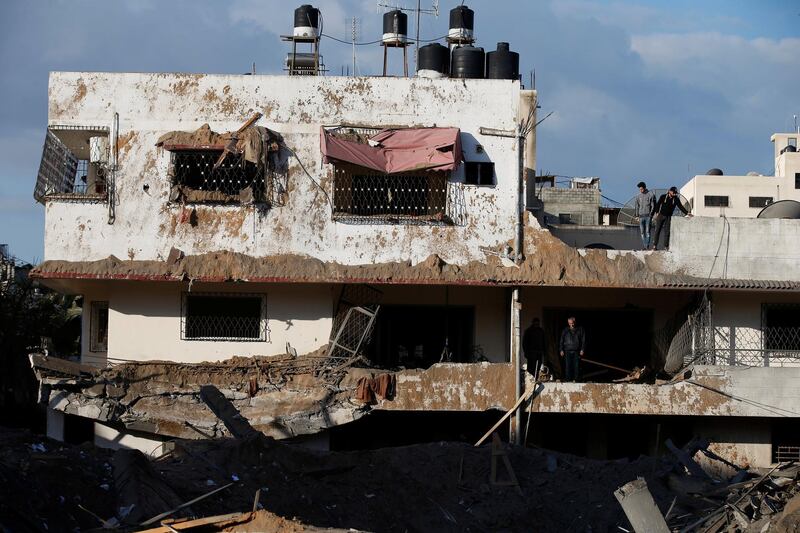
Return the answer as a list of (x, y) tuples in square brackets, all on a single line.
[(55, 425)]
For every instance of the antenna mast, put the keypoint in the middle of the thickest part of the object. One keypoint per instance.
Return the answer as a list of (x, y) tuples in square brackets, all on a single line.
[(433, 10)]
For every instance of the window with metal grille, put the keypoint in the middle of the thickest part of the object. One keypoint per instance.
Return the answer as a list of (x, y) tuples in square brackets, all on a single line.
[(479, 173), (74, 164), (781, 326), (760, 201), (231, 181), (715, 201), (98, 326), (224, 317), (359, 193)]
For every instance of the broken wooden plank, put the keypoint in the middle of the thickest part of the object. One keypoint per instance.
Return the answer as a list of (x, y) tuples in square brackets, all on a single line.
[(190, 524), (183, 505), (519, 401), (640, 508)]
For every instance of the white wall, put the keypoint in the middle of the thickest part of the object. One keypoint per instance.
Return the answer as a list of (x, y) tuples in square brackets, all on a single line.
[(738, 189), (736, 248), (145, 318), (149, 105), (145, 321)]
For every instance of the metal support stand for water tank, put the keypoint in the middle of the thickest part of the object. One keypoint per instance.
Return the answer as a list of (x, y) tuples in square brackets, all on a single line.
[(404, 46), (296, 70)]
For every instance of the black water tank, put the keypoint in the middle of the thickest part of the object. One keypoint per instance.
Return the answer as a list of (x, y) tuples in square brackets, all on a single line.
[(467, 62), (306, 16), (714, 172), (395, 23), (462, 18), (789, 148), (502, 64), (434, 57)]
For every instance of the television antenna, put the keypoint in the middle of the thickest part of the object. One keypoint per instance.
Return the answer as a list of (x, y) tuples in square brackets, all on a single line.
[(353, 33), (419, 10)]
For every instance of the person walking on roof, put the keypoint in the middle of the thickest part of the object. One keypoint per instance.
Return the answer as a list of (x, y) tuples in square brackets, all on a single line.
[(644, 206), (533, 346), (571, 346), (662, 215)]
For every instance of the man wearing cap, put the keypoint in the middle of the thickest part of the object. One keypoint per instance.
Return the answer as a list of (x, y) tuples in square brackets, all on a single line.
[(644, 205), (662, 215)]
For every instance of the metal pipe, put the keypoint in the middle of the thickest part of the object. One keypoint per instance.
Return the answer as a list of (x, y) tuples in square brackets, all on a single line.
[(516, 434)]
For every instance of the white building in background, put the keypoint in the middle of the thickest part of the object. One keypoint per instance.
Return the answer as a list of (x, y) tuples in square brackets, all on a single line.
[(715, 194)]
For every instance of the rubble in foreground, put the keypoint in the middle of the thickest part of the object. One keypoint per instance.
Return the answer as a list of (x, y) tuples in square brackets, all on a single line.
[(444, 486)]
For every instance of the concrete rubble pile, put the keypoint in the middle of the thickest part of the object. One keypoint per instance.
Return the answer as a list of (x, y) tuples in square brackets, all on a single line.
[(281, 397), (747, 500)]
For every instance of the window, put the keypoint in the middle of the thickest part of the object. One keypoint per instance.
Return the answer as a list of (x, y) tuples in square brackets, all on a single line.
[(797, 180), (781, 326), (792, 141), (565, 218), (195, 179), (98, 327), (224, 317), (479, 173), (760, 201), (74, 165), (360, 194), (715, 201)]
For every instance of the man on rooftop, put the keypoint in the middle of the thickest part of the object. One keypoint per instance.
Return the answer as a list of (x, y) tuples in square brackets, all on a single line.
[(662, 215), (644, 206)]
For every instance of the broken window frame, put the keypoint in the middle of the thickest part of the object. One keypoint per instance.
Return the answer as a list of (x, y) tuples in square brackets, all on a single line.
[(60, 166), (479, 173), (258, 183), (263, 327), (98, 325)]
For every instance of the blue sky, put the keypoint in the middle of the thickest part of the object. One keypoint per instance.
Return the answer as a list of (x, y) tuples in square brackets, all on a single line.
[(640, 90)]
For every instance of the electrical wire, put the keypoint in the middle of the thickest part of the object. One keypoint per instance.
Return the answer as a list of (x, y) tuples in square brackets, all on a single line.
[(299, 162), (366, 43)]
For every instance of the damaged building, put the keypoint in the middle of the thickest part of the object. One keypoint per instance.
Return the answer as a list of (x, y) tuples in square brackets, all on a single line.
[(296, 255)]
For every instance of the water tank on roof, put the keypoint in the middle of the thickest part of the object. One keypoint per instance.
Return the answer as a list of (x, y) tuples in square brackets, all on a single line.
[(462, 24), (434, 61), (789, 148), (502, 64), (714, 172), (306, 21), (467, 62), (395, 27)]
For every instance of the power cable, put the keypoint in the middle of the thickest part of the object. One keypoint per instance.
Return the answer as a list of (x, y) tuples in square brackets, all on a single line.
[(299, 162), (366, 43)]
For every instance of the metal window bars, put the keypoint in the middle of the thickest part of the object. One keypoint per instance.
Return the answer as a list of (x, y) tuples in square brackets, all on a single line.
[(224, 317), (195, 169), (66, 175), (354, 321), (787, 453), (364, 196), (692, 337)]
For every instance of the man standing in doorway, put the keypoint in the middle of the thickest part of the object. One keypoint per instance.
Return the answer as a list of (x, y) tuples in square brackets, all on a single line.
[(644, 206), (662, 215), (571, 346), (533, 346)]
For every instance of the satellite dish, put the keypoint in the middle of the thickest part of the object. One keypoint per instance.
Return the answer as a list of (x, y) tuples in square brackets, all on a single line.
[(781, 209), (627, 215)]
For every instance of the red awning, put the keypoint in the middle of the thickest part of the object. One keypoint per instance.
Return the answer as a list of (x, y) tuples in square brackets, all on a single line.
[(395, 151)]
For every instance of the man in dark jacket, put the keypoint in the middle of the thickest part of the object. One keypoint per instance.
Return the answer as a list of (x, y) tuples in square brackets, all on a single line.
[(662, 215), (533, 345), (571, 346)]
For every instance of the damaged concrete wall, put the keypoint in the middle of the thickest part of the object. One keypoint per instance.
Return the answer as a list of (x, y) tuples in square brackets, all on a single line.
[(711, 391), (147, 226)]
